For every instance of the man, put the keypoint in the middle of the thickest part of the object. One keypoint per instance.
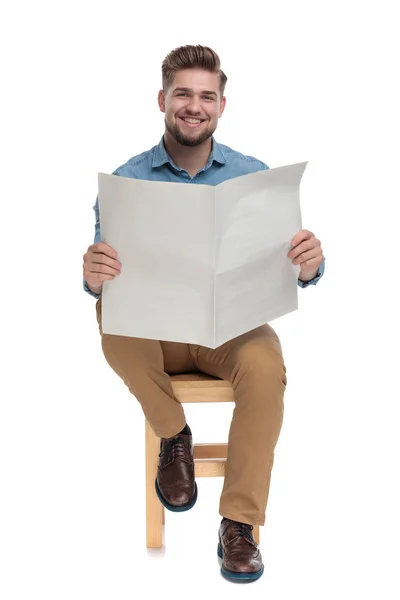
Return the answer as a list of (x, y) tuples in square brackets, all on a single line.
[(193, 100)]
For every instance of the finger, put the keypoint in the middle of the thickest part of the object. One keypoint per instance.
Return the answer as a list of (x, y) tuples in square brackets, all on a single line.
[(102, 259), (303, 234), (303, 246), (306, 256), (98, 278), (103, 248), (310, 265), (92, 258), (102, 268)]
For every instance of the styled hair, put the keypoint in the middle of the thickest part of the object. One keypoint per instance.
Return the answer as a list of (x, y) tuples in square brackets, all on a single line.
[(192, 57)]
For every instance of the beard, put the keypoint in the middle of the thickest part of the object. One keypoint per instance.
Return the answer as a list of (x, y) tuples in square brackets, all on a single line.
[(186, 140)]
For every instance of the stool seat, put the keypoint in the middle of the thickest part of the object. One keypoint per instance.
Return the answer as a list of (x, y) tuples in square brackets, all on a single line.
[(199, 387), (209, 459)]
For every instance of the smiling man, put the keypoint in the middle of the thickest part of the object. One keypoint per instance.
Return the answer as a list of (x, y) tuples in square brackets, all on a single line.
[(191, 109), (192, 98)]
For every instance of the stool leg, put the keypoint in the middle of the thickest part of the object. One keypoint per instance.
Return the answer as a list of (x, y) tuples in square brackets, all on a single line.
[(163, 515), (154, 513), (256, 533)]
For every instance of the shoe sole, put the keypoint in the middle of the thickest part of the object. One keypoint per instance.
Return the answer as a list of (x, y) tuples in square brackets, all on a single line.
[(237, 575), (173, 508)]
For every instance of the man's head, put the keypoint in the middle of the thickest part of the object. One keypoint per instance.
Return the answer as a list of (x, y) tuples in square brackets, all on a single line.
[(192, 97)]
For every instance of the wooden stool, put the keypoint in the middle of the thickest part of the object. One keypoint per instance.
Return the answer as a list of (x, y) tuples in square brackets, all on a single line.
[(209, 459)]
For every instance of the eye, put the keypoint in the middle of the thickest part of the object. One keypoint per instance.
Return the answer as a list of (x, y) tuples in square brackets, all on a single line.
[(182, 94), (208, 97)]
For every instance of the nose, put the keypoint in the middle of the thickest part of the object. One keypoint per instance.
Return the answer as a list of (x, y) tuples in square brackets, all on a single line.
[(193, 106)]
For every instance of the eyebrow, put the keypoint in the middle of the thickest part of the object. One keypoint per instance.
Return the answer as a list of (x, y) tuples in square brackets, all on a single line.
[(185, 89)]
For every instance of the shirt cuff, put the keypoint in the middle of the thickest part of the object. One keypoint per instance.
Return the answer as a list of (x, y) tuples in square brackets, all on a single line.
[(89, 291), (314, 281)]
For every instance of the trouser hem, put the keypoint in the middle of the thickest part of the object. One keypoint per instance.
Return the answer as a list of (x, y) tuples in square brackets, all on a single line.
[(258, 520)]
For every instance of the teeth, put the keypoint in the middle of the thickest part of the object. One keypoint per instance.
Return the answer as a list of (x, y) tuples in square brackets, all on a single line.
[(193, 121)]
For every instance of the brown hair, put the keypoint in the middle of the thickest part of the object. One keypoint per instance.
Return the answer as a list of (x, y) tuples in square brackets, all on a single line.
[(191, 57)]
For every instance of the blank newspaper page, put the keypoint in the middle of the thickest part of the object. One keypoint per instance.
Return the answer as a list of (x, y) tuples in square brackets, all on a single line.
[(164, 236), (257, 216)]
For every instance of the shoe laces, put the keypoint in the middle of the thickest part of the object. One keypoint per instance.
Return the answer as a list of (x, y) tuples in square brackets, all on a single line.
[(243, 530), (176, 446)]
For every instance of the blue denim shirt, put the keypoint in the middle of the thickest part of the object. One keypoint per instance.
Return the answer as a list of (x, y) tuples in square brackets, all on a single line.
[(156, 165)]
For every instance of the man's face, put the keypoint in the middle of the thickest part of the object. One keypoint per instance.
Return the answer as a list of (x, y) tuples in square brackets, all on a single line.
[(192, 106)]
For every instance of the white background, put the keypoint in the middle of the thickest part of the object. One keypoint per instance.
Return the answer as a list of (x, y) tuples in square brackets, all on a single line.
[(306, 81)]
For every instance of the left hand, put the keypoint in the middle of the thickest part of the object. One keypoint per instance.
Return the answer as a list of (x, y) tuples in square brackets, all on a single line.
[(307, 253)]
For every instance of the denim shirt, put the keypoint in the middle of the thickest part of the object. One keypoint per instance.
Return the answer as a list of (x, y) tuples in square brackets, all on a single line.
[(156, 165)]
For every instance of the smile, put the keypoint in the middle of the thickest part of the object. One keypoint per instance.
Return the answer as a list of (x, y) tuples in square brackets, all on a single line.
[(191, 122)]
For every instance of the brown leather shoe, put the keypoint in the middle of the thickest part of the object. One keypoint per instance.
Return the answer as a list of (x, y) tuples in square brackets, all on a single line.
[(175, 484), (241, 558)]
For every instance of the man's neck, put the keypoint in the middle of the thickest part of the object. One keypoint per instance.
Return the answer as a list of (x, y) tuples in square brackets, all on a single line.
[(192, 159)]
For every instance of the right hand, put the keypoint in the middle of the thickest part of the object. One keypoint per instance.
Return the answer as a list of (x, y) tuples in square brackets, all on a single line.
[(100, 264)]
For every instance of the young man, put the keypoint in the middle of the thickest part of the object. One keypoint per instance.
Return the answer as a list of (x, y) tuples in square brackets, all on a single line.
[(193, 100)]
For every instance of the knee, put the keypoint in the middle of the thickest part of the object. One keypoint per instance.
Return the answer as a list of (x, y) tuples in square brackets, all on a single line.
[(260, 385), (124, 355), (264, 365)]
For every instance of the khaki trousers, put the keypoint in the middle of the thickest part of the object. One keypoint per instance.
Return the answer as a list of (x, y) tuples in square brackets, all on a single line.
[(254, 365)]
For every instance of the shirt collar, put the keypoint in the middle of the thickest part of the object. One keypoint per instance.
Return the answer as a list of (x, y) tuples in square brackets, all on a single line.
[(161, 155)]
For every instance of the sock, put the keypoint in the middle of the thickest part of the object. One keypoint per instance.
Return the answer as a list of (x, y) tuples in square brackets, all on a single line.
[(185, 431)]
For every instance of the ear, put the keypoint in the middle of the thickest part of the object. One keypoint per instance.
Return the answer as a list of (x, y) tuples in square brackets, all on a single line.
[(161, 100), (222, 106)]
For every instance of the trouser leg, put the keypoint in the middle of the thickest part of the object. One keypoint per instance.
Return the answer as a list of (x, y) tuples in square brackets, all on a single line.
[(254, 364), (144, 366)]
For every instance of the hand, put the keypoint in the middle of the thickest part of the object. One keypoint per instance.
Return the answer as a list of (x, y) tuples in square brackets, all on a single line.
[(307, 253), (100, 264)]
